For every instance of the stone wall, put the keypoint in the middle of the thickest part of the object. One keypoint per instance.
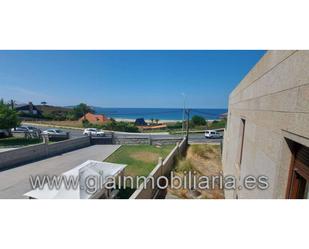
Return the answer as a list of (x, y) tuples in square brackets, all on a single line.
[(273, 99), (144, 139)]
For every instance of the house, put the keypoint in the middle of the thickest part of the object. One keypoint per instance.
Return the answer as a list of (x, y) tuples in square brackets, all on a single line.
[(268, 128), (27, 109), (94, 118), (140, 122)]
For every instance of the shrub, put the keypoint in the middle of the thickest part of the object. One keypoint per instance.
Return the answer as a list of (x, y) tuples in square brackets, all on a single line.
[(86, 123), (198, 120), (183, 165), (177, 125), (217, 124), (8, 117), (120, 126), (203, 150)]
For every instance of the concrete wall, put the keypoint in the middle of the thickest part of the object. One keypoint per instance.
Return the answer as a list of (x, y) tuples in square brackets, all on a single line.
[(68, 145), (274, 100), (162, 169), (30, 153)]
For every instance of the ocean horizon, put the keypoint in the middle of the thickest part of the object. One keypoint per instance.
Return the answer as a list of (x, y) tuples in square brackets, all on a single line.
[(158, 113)]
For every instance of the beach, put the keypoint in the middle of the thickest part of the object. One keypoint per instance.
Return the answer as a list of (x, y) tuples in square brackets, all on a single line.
[(146, 120), (166, 115), (160, 121)]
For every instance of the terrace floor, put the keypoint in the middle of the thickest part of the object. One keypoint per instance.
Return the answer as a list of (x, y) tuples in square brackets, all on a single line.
[(14, 183)]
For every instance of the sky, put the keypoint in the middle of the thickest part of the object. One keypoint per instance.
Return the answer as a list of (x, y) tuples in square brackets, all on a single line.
[(154, 78)]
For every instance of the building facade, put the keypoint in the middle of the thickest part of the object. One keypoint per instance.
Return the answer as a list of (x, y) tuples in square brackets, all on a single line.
[(268, 127)]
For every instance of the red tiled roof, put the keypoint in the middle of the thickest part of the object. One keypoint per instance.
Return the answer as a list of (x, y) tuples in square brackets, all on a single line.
[(95, 118)]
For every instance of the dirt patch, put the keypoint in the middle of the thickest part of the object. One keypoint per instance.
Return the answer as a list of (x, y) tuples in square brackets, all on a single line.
[(204, 160), (147, 157), (66, 123), (208, 163)]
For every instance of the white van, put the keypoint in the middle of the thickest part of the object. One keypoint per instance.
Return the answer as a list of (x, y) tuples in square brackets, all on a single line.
[(212, 134)]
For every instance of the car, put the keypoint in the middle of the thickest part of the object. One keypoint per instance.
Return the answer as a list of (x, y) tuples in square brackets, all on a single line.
[(4, 133), (56, 133), (93, 132), (33, 129), (24, 128), (20, 129), (27, 130), (212, 134)]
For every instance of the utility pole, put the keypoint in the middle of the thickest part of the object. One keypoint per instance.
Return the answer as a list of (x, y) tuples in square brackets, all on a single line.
[(12, 104), (188, 123), (183, 113)]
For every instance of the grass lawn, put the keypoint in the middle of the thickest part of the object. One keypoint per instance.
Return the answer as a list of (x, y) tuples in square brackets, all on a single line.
[(140, 159), (18, 141)]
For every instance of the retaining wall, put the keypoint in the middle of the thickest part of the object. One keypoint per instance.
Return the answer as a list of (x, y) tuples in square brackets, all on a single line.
[(162, 169), (122, 139), (31, 153)]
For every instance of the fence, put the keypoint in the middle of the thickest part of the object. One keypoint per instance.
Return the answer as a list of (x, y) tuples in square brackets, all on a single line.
[(163, 168)]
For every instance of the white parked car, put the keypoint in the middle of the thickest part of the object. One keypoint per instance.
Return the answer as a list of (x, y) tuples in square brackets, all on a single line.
[(93, 132), (212, 134), (56, 133)]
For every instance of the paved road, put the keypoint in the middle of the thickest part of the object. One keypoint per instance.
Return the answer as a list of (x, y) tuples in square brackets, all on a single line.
[(200, 138), (193, 138), (73, 132), (6, 149), (15, 182)]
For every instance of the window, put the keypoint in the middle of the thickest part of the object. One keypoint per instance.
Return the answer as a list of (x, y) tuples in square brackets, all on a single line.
[(299, 172), (241, 140)]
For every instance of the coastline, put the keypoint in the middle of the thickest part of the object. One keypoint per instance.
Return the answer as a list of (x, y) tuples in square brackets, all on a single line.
[(146, 120), (149, 121)]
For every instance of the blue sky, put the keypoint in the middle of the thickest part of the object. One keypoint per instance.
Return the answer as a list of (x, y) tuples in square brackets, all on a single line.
[(124, 78)]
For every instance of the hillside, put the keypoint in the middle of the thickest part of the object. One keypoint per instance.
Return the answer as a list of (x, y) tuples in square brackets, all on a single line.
[(48, 109)]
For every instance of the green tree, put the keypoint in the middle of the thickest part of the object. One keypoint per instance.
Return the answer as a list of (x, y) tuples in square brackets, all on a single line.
[(80, 110), (198, 120), (157, 120), (8, 117), (86, 123)]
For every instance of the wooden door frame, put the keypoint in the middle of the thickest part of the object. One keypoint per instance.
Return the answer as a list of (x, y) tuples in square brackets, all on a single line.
[(298, 175)]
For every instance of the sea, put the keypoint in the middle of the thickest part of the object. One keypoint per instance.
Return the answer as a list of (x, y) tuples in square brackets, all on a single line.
[(158, 113)]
